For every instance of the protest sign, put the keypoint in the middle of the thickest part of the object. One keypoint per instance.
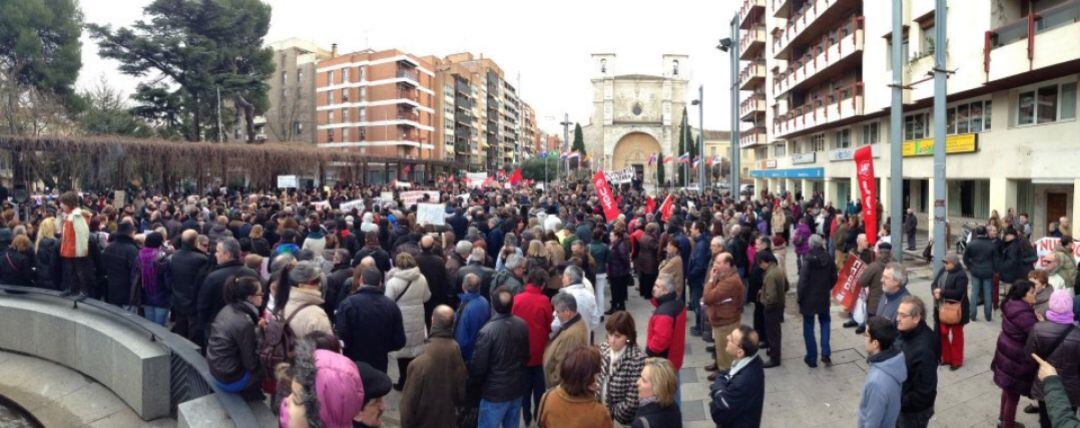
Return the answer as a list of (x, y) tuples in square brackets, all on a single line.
[(348, 206), (434, 214), (621, 176), (607, 199), (287, 182), (412, 197), (846, 290), (476, 179)]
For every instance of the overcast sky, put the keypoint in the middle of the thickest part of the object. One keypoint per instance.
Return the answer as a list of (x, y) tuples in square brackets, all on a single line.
[(547, 43)]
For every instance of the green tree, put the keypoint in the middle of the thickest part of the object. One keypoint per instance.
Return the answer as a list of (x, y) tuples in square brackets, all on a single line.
[(579, 145), (198, 48), (533, 168), (106, 113), (40, 58)]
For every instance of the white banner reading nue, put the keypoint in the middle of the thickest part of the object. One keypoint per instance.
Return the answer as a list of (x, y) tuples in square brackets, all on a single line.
[(621, 176)]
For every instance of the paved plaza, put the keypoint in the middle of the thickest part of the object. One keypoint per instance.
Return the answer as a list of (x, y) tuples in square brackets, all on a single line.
[(796, 395)]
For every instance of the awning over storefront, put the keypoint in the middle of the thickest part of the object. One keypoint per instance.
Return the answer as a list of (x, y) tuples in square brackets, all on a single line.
[(789, 173)]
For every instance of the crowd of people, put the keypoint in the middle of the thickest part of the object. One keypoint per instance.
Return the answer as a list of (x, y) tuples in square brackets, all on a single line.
[(493, 313)]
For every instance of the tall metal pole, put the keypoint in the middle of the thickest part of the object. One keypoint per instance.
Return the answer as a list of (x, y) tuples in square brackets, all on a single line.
[(734, 52), (686, 166), (701, 136), (940, 12), (218, 107), (566, 140), (896, 142)]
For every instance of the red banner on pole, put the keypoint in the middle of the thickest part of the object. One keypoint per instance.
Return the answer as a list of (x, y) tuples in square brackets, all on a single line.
[(667, 208), (846, 290), (607, 199), (650, 205), (864, 169)]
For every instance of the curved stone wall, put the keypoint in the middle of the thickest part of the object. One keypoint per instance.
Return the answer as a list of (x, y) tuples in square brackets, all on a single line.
[(119, 358)]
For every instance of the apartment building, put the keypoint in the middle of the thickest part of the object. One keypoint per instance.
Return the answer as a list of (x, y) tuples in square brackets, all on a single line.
[(378, 103), (1011, 104), (531, 144), (291, 116), (752, 77)]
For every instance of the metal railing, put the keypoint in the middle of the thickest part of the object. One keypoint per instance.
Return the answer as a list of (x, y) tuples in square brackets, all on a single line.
[(188, 370)]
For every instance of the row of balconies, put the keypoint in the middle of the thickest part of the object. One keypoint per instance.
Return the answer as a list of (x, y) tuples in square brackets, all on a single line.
[(752, 75), (750, 13), (839, 104), (834, 48), (752, 107), (752, 42), (813, 15)]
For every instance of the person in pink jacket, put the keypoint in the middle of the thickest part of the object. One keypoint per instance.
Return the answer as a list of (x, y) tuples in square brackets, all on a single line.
[(323, 380)]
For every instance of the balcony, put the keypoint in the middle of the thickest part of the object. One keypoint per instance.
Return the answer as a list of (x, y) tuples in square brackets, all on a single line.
[(408, 95), (752, 75), (752, 107), (841, 104), (408, 115), (750, 13), (1049, 37), (752, 42), (411, 77), (809, 22), (835, 51), (782, 8), (752, 137), (463, 118)]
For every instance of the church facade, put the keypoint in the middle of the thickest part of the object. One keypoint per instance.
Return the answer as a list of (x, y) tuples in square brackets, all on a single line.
[(636, 115)]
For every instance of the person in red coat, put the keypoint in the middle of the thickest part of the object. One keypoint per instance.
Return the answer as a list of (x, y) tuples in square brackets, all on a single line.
[(535, 309), (667, 326)]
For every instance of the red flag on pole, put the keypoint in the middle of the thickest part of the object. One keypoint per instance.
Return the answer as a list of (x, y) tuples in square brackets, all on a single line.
[(650, 204), (846, 290), (515, 178), (667, 208), (607, 199), (864, 171)]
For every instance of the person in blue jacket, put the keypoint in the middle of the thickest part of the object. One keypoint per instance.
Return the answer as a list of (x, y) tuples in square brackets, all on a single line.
[(473, 312), (880, 403), (697, 271)]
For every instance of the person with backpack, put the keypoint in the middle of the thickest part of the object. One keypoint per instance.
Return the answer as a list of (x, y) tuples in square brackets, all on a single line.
[(231, 350), (152, 264), (303, 307)]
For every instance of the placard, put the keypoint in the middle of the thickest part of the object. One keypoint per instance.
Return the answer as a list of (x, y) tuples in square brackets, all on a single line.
[(287, 182), (846, 290), (412, 197), (348, 206), (476, 179), (434, 214), (621, 176)]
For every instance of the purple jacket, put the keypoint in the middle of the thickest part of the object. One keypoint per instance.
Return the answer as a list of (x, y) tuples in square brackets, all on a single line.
[(1014, 370), (801, 240)]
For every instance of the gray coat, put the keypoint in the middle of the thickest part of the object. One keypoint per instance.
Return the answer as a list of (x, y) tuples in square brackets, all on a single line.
[(890, 303)]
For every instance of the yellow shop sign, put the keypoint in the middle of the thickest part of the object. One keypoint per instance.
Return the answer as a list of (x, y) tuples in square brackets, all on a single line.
[(961, 143)]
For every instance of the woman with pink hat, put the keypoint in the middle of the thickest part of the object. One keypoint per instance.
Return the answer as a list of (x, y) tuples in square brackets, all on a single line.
[(1057, 340)]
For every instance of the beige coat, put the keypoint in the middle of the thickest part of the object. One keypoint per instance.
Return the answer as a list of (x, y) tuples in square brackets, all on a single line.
[(411, 303), (309, 319), (568, 338)]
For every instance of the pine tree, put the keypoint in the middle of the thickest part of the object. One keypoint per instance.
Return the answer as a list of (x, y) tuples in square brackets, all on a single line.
[(682, 149), (660, 171), (579, 144)]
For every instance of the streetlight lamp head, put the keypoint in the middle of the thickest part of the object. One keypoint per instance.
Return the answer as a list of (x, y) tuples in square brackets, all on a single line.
[(725, 44), (695, 102)]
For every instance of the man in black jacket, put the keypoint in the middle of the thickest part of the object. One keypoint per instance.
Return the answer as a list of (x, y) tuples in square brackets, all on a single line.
[(336, 290), (498, 363), (910, 225), (981, 259), (120, 258), (373, 249), (433, 267), (211, 298), (921, 352), (738, 395), (475, 266), (369, 323), (187, 270)]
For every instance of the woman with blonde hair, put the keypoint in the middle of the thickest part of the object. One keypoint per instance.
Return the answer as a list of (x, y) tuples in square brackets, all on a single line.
[(407, 287), (656, 396), (47, 255)]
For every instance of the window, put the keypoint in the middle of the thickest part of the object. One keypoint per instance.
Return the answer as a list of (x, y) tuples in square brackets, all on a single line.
[(345, 115), (915, 126), (298, 128), (284, 76), (870, 134), (817, 143), (1047, 104), (362, 131), (299, 75), (329, 135), (345, 75), (362, 114), (359, 74), (842, 139), (329, 97), (330, 77), (344, 134), (987, 114), (962, 112), (927, 42), (329, 117), (780, 150)]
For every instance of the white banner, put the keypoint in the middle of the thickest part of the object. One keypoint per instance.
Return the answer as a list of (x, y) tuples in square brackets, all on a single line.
[(622, 176), (287, 182), (434, 214), (412, 197), (348, 206), (476, 179), (1048, 245)]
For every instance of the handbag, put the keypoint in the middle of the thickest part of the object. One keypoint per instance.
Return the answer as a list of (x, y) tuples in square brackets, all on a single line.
[(950, 312)]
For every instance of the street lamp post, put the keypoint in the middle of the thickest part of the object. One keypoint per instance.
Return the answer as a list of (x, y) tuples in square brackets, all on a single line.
[(700, 102), (566, 140), (730, 45)]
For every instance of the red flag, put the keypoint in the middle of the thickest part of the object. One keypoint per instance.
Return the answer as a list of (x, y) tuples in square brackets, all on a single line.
[(864, 171), (515, 178), (607, 199), (667, 208), (650, 204), (846, 290)]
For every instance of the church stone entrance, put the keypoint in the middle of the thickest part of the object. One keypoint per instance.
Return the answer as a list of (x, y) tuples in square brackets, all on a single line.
[(634, 150)]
